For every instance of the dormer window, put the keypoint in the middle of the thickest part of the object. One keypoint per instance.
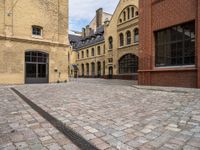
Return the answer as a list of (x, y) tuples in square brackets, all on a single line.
[(37, 31)]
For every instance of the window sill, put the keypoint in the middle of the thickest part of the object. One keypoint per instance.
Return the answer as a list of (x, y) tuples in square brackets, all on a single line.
[(172, 69), (175, 67), (37, 37), (134, 44)]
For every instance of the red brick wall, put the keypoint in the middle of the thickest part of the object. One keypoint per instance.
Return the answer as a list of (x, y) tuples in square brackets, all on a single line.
[(160, 14), (174, 78), (172, 12)]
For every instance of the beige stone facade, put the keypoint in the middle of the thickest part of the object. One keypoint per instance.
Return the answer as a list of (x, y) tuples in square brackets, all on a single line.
[(124, 20), (41, 27), (116, 60)]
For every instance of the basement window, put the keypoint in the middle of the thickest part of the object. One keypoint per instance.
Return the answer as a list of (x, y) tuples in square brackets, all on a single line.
[(37, 31)]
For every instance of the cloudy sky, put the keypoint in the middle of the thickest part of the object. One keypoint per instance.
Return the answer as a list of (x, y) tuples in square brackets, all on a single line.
[(81, 12)]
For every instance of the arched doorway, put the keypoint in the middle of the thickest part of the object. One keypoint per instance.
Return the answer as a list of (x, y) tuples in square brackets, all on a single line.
[(110, 72), (36, 67)]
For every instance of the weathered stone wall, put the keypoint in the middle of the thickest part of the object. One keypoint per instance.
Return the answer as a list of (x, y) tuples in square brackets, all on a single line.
[(52, 16)]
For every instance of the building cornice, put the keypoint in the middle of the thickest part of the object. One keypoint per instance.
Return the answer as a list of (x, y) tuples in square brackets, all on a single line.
[(33, 41)]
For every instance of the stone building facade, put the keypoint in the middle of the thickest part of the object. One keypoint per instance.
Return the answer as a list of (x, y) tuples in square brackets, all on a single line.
[(33, 41), (109, 47), (169, 43), (121, 41)]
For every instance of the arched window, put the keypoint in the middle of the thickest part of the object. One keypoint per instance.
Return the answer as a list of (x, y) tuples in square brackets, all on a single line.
[(92, 52), (136, 35), (87, 53), (128, 37), (78, 56), (110, 41), (128, 64), (83, 70), (121, 39), (132, 11), (124, 15)]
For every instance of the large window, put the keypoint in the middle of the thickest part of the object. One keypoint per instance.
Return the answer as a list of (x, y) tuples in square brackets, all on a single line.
[(121, 39), (128, 64), (175, 46)]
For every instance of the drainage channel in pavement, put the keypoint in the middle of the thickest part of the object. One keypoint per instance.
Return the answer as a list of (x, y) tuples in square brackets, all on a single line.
[(77, 139)]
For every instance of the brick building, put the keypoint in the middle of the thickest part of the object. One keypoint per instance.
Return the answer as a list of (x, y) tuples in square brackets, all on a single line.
[(169, 43)]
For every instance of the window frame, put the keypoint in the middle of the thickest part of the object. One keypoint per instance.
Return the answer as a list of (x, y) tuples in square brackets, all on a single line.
[(40, 31)]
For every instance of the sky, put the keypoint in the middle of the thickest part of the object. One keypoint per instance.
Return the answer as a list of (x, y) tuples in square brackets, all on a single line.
[(81, 12)]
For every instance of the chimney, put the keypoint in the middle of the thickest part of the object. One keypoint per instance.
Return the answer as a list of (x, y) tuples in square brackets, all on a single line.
[(99, 17), (83, 32), (88, 30)]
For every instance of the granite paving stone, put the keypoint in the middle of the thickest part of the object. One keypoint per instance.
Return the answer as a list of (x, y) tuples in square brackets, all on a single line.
[(21, 128), (112, 114)]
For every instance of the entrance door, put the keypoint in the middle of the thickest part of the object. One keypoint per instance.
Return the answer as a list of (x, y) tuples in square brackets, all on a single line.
[(110, 75), (36, 67)]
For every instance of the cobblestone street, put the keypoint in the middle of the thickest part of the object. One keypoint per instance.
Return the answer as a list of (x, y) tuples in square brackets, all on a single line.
[(22, 128), (111, 114)]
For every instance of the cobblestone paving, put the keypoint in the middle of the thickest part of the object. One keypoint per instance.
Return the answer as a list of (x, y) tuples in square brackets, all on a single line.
[(113, 116), (22, 128)]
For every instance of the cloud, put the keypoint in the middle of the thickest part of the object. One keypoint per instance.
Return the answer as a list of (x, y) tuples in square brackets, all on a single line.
[(81, 12)]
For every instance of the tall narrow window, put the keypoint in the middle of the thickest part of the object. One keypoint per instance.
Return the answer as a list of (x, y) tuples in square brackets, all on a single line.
[(99, 50), (87, 53), (83, 70), (136, 35), (175, 46), (121, 39), (132, 12), (93, 69), (88, 69), (92, 52), (128, 37), (124, 15), (128, 10), (82, 54), (110, 40)]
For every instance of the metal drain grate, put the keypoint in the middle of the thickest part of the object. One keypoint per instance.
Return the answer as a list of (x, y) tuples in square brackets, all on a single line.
[(77, 139)]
